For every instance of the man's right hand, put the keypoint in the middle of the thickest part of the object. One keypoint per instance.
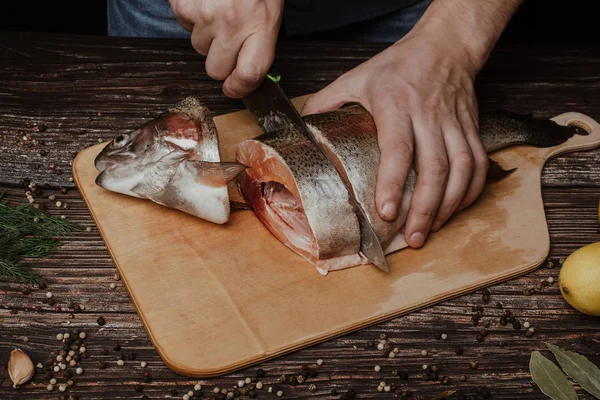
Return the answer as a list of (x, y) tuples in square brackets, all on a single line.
[(237, 37)]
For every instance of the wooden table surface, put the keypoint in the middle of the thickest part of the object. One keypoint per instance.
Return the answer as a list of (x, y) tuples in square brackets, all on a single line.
[(72, 91)]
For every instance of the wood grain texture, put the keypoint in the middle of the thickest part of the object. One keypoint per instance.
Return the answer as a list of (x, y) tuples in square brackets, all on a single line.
[(61, 81)]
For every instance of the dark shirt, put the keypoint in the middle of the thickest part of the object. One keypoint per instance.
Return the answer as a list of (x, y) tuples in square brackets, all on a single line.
[(305, 16)]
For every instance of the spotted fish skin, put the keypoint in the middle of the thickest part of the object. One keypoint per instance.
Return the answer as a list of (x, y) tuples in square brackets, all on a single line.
[(308, 175), (172, 160), (349, 135)]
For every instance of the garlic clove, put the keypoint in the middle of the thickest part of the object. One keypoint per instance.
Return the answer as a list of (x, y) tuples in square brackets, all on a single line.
[(20, 368)]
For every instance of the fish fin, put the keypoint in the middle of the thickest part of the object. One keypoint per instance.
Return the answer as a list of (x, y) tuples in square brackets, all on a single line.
[(157, 177), (238, 206), (497, 173), (215, 173)]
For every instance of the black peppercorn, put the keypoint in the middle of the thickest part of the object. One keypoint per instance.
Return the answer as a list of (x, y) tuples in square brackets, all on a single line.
[(260, 372), (147, 378), (403, 375), (474, 365), (499, 306), (293, 380), (138, 388), (77, 308), (516, 325), (173, 392), (459, 351), (503, 321), (144, 397), (67, 374), (51, 302), (395, 372), (480, 337), (101, 364), (445, 380), (101, 321), (116, 347), (529, 333), (437, 335), (252, 394), (26, 290), (435, 368), (312, 373)]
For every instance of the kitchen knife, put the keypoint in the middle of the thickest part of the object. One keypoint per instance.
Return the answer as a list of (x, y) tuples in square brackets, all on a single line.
[(273, 110)]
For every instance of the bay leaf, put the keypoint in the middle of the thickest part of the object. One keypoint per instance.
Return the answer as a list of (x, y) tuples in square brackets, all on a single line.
[(579, 368), (550, 379)]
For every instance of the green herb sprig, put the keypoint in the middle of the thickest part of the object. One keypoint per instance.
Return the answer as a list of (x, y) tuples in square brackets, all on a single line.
[(27, 232)]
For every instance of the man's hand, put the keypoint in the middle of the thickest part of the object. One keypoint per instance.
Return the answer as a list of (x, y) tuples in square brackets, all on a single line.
[(420, 93), (238, 38)]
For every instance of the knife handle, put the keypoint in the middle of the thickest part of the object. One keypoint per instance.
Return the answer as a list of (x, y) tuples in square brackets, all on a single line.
[(274, 75)]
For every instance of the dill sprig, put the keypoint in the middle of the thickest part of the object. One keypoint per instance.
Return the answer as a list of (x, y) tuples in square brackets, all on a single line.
[(27, 232)]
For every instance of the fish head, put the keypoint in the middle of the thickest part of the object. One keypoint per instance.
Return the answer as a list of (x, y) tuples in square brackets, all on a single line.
[(126, 161)]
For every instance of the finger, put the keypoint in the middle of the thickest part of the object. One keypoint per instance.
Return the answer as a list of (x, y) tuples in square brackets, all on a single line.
[(222, 57), (432, 165), (201, 40), (253, 62), (329, 98), (480, 158), (461, 168), (396, 144), (181, 9)]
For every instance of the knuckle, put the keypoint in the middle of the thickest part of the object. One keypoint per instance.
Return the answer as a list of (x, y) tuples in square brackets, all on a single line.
[(392, 185), (230, 20), (426, 214), (249, 75), (464, 160), (215, 71), (438, 166), (399, 147)]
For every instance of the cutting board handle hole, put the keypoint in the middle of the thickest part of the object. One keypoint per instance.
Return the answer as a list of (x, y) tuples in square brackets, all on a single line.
[(580, 124)]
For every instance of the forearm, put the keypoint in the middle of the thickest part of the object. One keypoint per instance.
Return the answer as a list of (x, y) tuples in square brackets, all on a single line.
[(469, 28)]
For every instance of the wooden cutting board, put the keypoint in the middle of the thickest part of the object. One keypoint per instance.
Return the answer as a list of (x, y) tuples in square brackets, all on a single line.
[(217, 298)]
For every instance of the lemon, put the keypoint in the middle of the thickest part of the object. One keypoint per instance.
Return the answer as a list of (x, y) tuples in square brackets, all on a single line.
[(579, 279)]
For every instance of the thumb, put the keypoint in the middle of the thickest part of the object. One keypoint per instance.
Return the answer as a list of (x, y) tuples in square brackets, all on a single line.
[(329, 98)]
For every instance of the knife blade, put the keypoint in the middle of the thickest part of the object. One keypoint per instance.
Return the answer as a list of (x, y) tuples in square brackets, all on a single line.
[(272, 110)]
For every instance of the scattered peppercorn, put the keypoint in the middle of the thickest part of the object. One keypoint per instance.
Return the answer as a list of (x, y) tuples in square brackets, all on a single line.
[(260, 372), (516, 325), (101, 321), (459, 351), (480, 337), (445, 380), (473, 365), (138, 388)]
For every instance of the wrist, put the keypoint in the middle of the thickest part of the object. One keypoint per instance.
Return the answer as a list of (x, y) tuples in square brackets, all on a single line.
[(465, 31)]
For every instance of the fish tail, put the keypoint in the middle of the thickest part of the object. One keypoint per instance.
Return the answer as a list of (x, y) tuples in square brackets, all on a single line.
[(503, 128), (497, 173)]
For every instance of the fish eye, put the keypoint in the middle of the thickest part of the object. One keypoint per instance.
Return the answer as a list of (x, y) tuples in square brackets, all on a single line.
[(120, 140)]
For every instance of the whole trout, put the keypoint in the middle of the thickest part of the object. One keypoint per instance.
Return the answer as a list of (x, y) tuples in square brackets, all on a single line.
[(290, 185)]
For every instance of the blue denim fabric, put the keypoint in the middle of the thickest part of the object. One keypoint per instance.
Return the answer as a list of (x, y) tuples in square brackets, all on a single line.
[(154, 18), (143, 18)]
